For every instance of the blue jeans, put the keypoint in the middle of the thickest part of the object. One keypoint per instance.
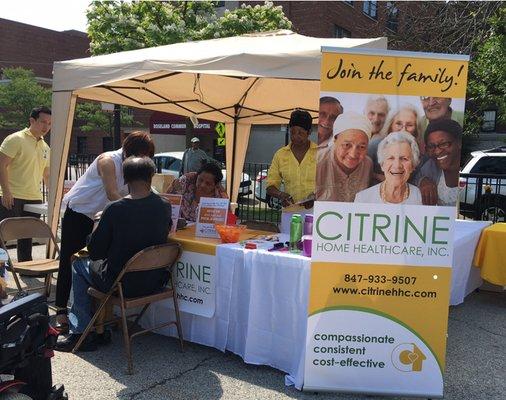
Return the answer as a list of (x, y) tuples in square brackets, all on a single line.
[(81, 309)]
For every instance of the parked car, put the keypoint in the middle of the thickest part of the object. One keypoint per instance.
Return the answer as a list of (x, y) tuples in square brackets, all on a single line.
[(483, 183), (170, 163), (261, 190)]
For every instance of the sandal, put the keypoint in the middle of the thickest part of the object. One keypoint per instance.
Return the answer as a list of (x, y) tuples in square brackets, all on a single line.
[(63, 325)]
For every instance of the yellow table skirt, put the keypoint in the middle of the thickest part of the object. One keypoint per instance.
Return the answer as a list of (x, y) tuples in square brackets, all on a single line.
[(186, 237), (490, 254)]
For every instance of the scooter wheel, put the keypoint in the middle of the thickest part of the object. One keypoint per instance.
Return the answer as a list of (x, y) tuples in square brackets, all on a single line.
[(14, 396)]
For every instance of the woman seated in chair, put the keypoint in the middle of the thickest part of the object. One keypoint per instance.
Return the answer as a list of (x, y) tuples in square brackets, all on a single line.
[(127, 226), (194, 185)]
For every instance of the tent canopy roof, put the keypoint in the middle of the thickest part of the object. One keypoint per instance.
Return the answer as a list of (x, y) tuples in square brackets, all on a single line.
[(263, 73)]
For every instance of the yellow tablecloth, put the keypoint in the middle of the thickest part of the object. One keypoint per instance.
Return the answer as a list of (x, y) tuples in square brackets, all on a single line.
[(186, 237), (490, 254)]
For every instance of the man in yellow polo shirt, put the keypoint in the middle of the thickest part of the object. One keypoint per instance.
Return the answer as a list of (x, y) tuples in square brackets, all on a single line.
[(24, 162), (295, 164)]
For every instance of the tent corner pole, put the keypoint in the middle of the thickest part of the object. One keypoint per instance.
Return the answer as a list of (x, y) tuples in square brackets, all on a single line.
[(236, 119)]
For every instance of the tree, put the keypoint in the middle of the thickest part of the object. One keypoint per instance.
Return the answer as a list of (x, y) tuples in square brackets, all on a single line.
[(453, 27), (487, 74), (247, 19), (462, 27), (118, 26), (93, 118), (19, 96)]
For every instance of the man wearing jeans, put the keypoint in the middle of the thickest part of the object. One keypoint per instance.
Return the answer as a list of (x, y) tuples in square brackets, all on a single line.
[(24, 163), (127, 226)]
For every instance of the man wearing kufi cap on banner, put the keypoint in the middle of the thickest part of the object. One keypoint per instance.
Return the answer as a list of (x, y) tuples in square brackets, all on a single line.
[(330, 109), (294, 165), (193, 157), (344, 169)]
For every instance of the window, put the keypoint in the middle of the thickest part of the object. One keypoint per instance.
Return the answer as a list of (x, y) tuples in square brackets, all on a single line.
[(489, 120), (349, 2), (176, 164), (341, 32), (392, 16), (370, 8), (490, 165), (81, 145), (107, 143)]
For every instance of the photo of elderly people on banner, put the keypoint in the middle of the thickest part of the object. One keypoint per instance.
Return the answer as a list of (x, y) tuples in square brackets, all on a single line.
[(391, 149)]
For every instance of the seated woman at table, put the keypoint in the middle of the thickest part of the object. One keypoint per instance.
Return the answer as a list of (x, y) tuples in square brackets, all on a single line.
[(398, 156), (206, 182)]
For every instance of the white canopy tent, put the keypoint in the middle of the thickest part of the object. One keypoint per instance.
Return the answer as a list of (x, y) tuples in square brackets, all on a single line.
[(241, 81)]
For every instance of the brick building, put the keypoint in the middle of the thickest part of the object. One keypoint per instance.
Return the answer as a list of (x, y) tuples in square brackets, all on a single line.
[(35, 48), (343, 18)]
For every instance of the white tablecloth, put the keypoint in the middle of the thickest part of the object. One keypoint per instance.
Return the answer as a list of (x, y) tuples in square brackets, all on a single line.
[(262, 297)]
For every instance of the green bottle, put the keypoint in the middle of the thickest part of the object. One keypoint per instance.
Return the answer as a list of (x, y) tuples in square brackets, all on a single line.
[(295, 233)]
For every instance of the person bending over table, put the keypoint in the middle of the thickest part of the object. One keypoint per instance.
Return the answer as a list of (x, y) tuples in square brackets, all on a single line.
[(127, 226), (295, 164), (206, 182), (101, 183), (398, 156)]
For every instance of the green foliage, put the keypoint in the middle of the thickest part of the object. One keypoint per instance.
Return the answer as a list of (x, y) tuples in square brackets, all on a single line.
[(248, 19), (118, 26), (487, 74), (93, 118), (19, 96)]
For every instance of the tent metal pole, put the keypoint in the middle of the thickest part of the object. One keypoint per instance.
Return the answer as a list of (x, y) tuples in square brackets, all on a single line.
[(117, 126), (236, 119)]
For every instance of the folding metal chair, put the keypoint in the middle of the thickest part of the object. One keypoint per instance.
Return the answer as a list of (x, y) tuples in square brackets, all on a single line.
[(154, 257), (24, 228)]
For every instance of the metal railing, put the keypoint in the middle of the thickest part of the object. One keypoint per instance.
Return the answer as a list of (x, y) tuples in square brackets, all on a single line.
[(257, 205), (483, 197)]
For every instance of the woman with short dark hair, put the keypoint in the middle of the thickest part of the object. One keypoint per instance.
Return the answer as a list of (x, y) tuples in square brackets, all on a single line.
[(194, 185)]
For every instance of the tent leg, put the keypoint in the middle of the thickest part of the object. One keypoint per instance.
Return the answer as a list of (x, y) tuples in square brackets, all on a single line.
[(236, 118)]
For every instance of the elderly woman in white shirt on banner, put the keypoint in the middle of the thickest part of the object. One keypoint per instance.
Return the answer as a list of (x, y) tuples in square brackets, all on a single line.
[(398, 156), (343, 168)]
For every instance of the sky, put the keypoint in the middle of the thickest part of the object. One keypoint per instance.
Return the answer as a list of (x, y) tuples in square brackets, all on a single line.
[(58, 15)]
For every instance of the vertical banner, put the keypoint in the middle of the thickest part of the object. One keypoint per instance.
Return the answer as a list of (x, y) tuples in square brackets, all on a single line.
[(386, 189)]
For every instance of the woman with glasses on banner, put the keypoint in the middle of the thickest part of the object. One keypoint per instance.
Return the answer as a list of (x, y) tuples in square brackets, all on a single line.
[(398, 156), (343, 168), (404, 119), (443, 143)]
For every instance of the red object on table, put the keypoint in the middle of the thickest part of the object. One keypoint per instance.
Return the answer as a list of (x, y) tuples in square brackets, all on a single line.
[(231, 219)]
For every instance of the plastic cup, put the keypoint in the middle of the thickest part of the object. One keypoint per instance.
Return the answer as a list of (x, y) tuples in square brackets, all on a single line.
[(307, 243)]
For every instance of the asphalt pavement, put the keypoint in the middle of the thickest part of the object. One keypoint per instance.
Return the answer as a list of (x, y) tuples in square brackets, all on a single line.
[(476, 365)]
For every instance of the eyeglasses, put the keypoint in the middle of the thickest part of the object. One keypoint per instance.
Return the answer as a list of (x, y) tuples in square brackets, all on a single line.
[(440, 146), (399, 125)]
